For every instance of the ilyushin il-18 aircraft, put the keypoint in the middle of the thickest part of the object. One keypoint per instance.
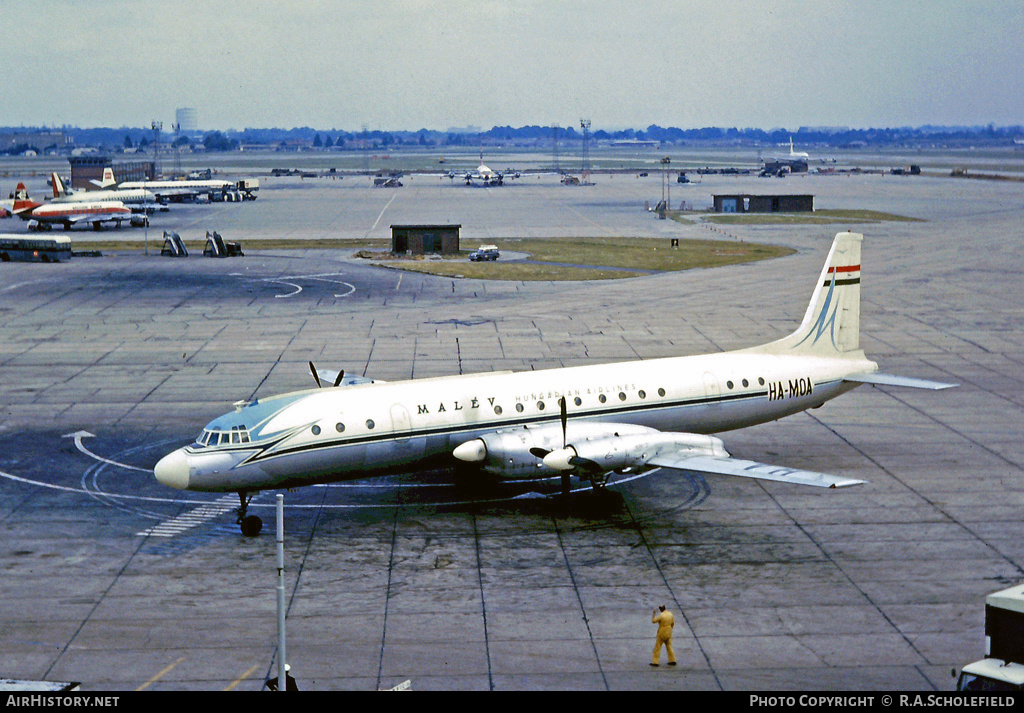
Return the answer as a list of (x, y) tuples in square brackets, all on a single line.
[(484, 175), (587, 421)]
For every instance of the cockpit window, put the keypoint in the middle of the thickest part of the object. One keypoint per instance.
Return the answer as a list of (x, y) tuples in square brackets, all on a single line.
[(213, 438)]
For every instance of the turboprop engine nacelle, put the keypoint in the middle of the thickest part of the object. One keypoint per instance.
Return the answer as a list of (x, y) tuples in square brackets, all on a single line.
[(508, 452), (608, 453)]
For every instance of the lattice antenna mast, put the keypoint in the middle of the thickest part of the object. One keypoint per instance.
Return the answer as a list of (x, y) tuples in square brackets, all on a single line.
[(554, 144), (585, 169)]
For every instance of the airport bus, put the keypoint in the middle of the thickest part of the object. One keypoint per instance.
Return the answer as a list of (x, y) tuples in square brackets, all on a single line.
[(19, 248)]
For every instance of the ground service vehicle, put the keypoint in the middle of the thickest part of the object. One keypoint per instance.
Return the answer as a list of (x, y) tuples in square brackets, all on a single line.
[(485, 252), (1003, 667)]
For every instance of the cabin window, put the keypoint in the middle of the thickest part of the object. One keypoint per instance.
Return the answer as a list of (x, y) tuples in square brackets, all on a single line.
[(578, 401), (729, 384), (316, 430), (642, 394), (760, 380), (661, 392), (746, 383), (602, 398), (540, 405), (339, 427), (622, 396), (519, 408), (369, 423), (497, 410)]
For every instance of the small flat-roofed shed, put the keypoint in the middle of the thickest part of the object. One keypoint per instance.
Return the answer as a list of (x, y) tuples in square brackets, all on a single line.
[(745, 203), (423, 239)]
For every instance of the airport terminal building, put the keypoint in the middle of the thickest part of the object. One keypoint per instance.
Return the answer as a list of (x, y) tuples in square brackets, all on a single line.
[(86, 169)]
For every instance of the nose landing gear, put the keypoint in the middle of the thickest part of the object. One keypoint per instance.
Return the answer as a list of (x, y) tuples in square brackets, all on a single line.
[(250, 525)]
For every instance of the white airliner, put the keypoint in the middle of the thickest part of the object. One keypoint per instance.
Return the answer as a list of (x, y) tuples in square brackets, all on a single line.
[(136, 199), (588, 421), (483, 174), (171, 190)]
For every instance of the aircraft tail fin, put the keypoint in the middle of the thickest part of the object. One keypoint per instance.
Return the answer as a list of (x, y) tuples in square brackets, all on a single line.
[(108, 179), (831, 325), (22, 202), (58, 186)]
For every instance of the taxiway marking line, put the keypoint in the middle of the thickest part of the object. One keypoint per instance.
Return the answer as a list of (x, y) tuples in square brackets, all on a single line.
[(79, 435), (234, 684), (160, 675), (374, 226)]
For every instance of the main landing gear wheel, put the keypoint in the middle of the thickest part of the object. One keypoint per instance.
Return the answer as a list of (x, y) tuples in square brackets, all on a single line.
[(250, 525)]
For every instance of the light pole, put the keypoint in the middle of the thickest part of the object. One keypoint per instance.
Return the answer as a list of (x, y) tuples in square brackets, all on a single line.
[(282, 650), (157, 127), (666, 187)]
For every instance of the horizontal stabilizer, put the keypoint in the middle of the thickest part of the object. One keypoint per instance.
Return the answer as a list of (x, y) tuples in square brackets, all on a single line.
[(750, 469), (892, 380)]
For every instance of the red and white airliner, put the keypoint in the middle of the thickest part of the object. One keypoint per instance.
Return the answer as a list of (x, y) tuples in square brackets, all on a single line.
[(43, 216)]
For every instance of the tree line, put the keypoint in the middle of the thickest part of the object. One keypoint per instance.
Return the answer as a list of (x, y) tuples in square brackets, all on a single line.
[(141, 138)]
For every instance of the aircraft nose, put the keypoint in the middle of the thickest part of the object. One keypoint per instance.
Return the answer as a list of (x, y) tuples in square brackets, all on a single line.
[(172, 470)]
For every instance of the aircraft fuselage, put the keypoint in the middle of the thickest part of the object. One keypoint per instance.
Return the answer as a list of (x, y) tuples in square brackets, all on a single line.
[(329, 434), (69, 213)]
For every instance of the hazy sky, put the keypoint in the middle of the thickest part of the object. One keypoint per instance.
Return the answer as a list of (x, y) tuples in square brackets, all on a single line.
[(410, 64)]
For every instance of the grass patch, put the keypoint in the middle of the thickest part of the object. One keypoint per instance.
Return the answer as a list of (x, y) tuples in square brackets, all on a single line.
[(510, 271), (643, 253), (591, 258), (818, 217)]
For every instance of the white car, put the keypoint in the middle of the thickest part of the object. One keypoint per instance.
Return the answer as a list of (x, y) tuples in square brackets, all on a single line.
[(485, 252)]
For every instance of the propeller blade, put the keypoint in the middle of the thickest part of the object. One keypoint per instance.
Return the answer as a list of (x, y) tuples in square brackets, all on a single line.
[(564, 415), (584, 463), (337, 380), (316, 377)]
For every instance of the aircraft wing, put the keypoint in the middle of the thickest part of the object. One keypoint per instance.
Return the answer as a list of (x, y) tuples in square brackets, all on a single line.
[(173, 192), (749, 469), (88, 218), (605, 447)]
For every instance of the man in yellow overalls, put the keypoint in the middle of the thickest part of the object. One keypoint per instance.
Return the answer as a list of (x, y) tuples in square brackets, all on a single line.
[(665, 621)]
